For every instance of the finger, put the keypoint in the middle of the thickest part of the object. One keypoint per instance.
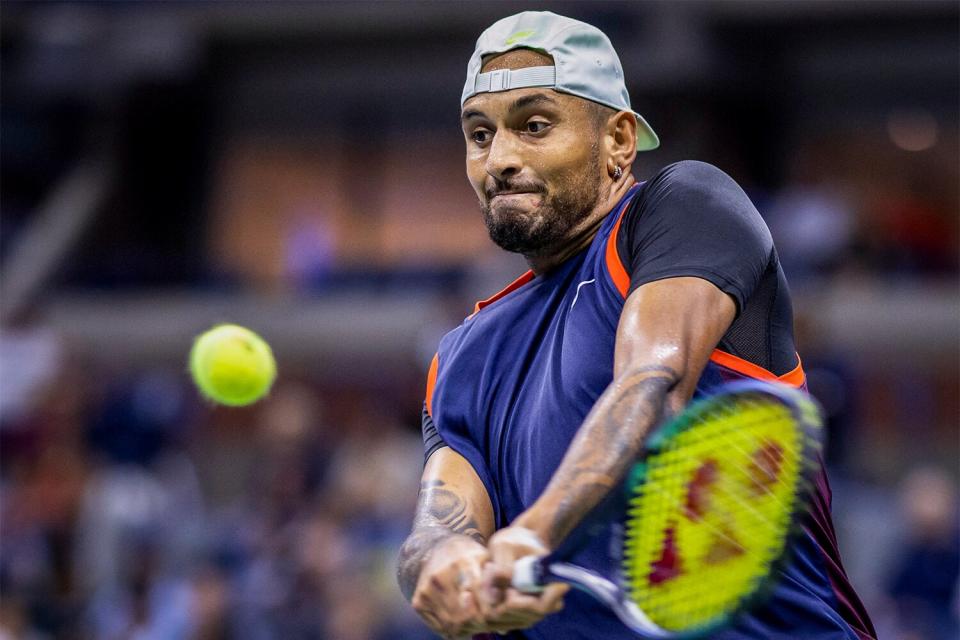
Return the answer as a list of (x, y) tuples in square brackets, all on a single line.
[(422, 604), (518, 611), (494, 588), (503, 628), (514, 622), (504, 557), (424, 609), (468, 605), (432, 621), (470, 629), (551, 600), (522, 601), (466, 620), (451, 605), (501, 575), (446, 610), (541, 603), (523, 608), (437, 585), (485, 594)]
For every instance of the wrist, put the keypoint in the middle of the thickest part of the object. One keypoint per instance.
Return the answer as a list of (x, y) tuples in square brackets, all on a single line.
[(536, 530)]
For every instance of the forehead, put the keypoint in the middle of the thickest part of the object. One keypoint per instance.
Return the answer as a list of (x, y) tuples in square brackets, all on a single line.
[(503, 102)]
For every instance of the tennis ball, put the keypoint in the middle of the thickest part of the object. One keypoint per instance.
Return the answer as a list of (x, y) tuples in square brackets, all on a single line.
[(232, 365)]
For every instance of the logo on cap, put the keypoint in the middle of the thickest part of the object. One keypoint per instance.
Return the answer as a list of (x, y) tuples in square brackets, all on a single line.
[(519, 35)]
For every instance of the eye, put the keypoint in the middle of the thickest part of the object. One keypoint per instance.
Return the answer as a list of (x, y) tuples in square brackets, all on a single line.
[(480, 136), (537, 126)]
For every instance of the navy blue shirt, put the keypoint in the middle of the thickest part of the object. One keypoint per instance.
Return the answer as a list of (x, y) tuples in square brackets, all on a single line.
[(510, 387)]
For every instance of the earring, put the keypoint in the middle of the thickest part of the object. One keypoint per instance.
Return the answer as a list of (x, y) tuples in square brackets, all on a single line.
[(617, 173)]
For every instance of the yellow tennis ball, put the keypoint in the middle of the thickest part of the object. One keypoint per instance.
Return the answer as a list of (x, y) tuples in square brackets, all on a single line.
[(232, 365)]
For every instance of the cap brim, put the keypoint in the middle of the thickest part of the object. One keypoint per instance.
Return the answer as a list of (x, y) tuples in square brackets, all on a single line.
[(647, 139)]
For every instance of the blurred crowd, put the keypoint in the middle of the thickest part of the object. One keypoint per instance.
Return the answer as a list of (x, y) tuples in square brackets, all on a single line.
[(132, 510), (838, 216)]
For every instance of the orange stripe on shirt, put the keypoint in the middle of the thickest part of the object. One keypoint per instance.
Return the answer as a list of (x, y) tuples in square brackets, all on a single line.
[(618, 273), (794, 378), (432, 382), (513, 286)]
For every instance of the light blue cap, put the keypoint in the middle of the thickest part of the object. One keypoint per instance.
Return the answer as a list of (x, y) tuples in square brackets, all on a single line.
[(585, 63)]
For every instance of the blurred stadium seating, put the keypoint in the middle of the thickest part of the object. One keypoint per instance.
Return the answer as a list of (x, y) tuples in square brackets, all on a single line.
[(298, 168)]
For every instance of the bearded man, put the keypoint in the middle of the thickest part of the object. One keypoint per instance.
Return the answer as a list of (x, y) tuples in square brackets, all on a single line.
[(640, 296)]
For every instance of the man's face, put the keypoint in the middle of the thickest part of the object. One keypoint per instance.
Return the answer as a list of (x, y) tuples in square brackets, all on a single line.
[(533, 158)]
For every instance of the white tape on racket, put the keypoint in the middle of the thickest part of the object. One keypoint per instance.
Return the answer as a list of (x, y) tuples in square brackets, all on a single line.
[(525, 575)]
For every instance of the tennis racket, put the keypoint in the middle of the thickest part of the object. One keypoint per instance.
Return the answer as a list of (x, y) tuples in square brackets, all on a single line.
[(710, 509)]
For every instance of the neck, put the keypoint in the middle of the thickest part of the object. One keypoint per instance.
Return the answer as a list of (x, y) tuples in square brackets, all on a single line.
[(584, 232)]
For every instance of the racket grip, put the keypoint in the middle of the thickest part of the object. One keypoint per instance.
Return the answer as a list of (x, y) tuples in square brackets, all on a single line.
[(528, 575)]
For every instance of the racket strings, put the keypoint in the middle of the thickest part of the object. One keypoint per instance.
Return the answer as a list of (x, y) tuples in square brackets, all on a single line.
[(680, 602), (691, 601), (719, 492), (732, 442), (720, 533)]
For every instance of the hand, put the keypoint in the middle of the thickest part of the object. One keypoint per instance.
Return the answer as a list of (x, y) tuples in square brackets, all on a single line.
[(503, 607), (445, 592)]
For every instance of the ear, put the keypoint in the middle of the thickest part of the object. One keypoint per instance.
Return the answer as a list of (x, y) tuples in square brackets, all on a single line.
[(620, 141)]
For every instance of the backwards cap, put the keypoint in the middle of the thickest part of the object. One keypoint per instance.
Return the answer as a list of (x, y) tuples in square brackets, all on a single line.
[(586, 64)]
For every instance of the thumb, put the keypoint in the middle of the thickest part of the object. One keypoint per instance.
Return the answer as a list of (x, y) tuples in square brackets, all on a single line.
[(495, 583), (552, 596)]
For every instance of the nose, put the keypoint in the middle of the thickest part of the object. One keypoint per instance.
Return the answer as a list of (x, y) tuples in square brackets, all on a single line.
[(503, 157)]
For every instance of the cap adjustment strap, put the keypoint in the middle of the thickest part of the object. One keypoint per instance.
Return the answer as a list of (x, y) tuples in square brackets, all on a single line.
[(506, 79)]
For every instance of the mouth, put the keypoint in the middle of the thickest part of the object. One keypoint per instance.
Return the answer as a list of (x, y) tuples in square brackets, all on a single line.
[(514, 194)]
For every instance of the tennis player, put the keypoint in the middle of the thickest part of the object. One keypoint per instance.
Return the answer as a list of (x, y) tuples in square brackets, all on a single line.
[(640, 296)]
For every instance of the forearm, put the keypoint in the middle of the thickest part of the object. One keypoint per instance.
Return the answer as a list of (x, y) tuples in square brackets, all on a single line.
[(441, 514), (607, 443)]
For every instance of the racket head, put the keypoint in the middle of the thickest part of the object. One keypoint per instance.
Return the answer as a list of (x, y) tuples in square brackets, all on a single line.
[(714, 503)]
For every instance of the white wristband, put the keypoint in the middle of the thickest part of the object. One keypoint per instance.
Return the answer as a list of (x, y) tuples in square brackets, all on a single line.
[(525, 537)]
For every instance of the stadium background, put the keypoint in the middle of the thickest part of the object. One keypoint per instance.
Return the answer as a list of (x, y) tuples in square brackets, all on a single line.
[(298, 168)]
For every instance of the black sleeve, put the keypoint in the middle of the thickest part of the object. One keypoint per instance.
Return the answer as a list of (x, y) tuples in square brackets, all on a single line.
[(692, 219), (432, 440)]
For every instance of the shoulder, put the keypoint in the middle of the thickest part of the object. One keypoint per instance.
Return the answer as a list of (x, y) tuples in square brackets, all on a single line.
[(696, 195), (694, 219), (692, 170), (689, 178)]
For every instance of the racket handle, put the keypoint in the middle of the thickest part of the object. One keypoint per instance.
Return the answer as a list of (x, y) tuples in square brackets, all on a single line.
[(528, 575)]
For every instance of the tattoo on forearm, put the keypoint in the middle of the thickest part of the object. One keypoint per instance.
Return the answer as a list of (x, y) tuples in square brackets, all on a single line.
[(609, 440), (442, 507), (440, 514)]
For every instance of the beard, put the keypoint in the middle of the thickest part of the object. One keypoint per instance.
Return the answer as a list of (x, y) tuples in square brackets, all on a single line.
[(536, 232)]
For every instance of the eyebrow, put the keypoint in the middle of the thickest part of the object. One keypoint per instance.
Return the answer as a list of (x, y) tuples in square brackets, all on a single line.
[(532, 99), (519, 103)]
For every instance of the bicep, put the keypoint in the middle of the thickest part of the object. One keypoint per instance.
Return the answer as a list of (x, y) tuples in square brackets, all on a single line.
[(675, 324), (694, 220), (453, 496)]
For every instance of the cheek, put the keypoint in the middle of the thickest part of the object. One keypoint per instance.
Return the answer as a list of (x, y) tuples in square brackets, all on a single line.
[(476, 173), (570, 158)]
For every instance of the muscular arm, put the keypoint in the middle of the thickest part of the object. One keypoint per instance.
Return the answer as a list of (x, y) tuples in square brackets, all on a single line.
[(452, 503), (667, 331)]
